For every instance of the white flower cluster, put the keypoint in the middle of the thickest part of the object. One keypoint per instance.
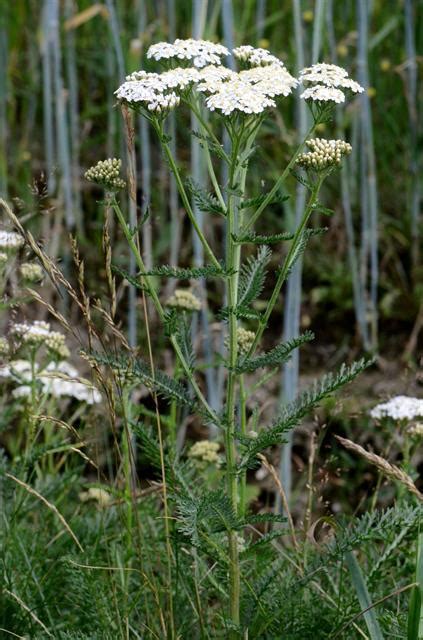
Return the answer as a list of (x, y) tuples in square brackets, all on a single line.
[(327, 81), (200, 52), (144, 93), (205, 451), (185, 300), (237, 95), (324, 153), (57, 379), (250, 91), (10, 241), (3, 258), (256, 57), (31, 271), (39, 333), (106, 173), (399, 408), (35, 333)]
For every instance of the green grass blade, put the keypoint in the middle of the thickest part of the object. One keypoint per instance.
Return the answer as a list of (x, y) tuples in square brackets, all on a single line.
[(415, 612), (363, 596)]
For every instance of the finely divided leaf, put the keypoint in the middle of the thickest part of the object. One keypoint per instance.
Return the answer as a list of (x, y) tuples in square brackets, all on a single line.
[(293, 413), (276, 356)]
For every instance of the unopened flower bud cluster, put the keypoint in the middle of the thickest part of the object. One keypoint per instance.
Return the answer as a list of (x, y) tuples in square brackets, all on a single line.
[(324, 153), (56, 343), (416, 430), (206, 451), (106, 173), (244, 338), (184, 299), (31, 271)]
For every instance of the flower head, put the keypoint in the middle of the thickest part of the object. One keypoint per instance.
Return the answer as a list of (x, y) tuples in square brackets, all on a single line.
[(323, 154), (106, 173), (33, 334), (59, 380), (327, 82), (399, 408), (200, 52), (10, 241), (256, 57), (272, 80), (185, 300), (321, 93), (237, 95)]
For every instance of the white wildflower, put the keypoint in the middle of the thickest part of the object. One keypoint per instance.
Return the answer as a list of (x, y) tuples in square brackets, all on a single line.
[(3, 258), (256, 57), (147, 94), (60, 380), (330, 75), (211, 78), (200, 52), (18, 370), (321, 93), (238, 95), (399, 408), (184, 299), (34, 333), (9, 241), (272, 80)]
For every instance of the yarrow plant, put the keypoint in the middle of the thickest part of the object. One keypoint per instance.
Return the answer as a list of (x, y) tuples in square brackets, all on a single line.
[(195, 78)]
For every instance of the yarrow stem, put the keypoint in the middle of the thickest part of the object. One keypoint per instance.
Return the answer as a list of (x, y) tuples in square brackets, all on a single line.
[(183, 193)]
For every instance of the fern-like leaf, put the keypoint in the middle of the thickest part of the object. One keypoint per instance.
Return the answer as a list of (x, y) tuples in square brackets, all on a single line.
[(254, 238), (156, 380), (252, 276), (276, 356), (301, 246), (294, 412), (213, 513), (204, 200), (187, 273)]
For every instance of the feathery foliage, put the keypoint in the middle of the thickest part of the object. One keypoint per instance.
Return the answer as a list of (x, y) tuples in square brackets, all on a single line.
[(294, 412), (276, 356)]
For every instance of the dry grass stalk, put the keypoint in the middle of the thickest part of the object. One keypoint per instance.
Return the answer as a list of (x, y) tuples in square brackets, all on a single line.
[(271, 469), (29, 611), (49, 505), (385, 467)]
